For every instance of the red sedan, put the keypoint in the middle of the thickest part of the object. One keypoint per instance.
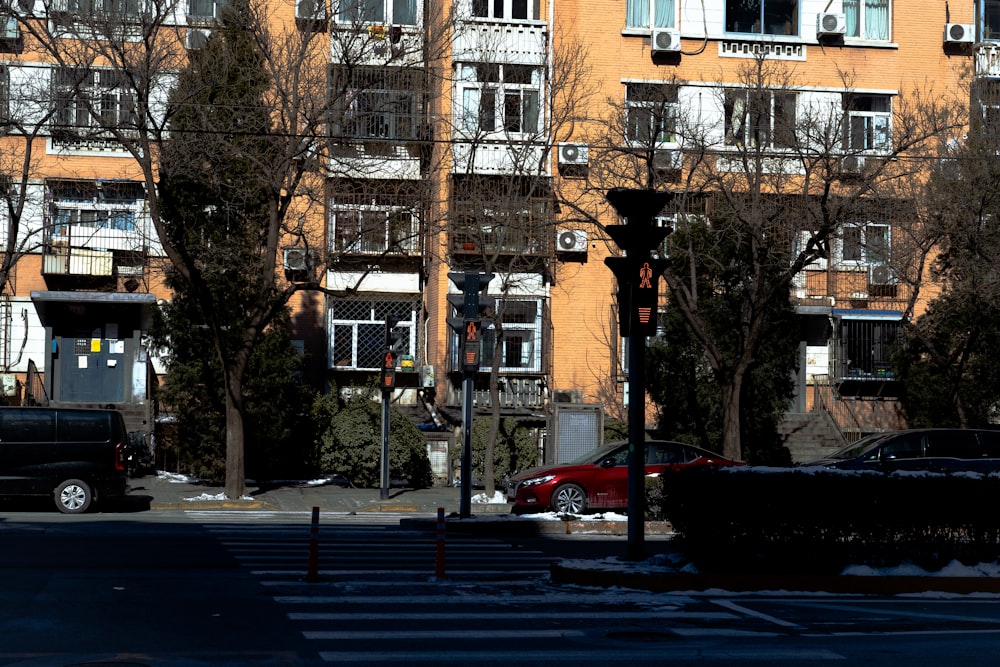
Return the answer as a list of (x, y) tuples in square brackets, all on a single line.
[(599, 480)]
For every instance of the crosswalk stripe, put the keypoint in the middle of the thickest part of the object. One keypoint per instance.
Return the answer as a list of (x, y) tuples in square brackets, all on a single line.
[(610, 656)]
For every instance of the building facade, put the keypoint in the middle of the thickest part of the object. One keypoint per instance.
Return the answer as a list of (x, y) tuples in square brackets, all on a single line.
[(480, 137)]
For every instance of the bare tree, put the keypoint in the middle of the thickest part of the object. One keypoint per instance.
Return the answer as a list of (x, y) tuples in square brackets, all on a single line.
[(765, 179)]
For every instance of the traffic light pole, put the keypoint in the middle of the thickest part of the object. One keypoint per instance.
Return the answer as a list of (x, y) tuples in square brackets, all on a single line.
[(470, 305), (465, 504), (384, 489), (638, 275), (636, 531), (388, 384)]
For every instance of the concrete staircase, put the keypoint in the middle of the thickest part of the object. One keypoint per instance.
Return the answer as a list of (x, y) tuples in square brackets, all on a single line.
[(810, 435)]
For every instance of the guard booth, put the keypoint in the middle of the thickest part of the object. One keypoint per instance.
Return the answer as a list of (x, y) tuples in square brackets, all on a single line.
[(95, 355)]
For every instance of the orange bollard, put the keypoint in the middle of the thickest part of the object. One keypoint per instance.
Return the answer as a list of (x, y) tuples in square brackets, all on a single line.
[(312, 571)]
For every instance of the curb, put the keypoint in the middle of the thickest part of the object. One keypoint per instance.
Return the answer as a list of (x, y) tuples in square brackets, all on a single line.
[(674, 582), (528, 527)]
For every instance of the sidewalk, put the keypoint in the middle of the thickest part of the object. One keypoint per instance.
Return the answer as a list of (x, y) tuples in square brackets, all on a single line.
[(166, 491)]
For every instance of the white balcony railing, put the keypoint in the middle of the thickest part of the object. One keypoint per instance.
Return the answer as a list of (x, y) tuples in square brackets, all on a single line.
[(988, 59), (521, 43)]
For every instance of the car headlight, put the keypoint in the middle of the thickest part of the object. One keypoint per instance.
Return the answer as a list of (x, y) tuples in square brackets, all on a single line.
[(534, 481)]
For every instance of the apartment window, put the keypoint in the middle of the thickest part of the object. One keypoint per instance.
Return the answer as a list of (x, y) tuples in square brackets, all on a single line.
[(650, 113), (867, 19), (374, 221), (514, 10), (868, 122), (763, 17), (500, 98), (66, 11), (379, 103), (391, 12), (91, 99), (501, 215), (759, 118), (520, 348), (93, 214), (865, 243), (357, 326), (865, 347), (991, 19), (204, 10), (649, 13)]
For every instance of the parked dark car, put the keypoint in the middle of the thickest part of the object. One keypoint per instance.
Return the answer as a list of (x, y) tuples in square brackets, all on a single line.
[(75, 456), (599, 479), (934, 450)]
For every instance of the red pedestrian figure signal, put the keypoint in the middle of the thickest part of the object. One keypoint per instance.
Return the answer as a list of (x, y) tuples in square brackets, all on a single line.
[(389, 370), (470, 350)]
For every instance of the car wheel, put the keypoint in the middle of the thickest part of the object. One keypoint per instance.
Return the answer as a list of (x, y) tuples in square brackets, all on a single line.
[(569, 498), (73, 497)]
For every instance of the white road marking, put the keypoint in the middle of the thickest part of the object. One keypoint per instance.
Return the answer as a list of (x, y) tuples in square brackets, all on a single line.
[(740, 609)]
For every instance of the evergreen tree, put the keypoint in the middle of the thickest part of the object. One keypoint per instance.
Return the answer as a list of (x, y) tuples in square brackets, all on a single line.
[(220, 210)]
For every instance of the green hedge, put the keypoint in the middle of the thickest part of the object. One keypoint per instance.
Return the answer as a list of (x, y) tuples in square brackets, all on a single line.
[(811, 520)]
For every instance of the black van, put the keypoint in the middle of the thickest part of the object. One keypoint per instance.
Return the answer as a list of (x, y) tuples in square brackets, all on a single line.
[(77, 456), (930, 449)]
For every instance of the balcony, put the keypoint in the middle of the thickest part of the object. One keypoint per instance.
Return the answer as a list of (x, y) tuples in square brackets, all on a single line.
[(522, 42), (987, 59)]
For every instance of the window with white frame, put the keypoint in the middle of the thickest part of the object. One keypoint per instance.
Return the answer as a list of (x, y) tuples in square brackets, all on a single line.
[(865, 243), (759, 118), (378, 103), (389, 12), (867, 19), (512, 10), (204, 10), (357, 330), (63, 11), (763, 17), (500, 98), (868, 122), (94, 215), (87, 99), (374, 221), (520, 348), (649, 13), (650, 113)]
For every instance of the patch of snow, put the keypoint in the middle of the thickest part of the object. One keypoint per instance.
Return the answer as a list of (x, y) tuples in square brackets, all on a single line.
[(208, 496), (498, 498), (952, 569), (176, 478)]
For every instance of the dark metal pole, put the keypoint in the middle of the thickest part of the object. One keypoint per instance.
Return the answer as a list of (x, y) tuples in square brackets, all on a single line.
[(465, 506), (384, 491), (636, 446)]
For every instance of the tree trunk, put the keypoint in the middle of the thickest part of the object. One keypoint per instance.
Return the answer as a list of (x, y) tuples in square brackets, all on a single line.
[(731, 391), (236, 486)]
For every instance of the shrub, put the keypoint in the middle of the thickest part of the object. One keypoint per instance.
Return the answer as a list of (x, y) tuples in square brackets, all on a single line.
[(351, 444)]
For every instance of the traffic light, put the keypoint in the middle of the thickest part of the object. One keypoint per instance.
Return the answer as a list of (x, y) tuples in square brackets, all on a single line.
[(471, 306), (638, 272), (393, 341), (389, 371)]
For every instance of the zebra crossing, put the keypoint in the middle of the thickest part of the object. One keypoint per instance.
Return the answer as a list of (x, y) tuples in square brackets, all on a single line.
[(377, 599)]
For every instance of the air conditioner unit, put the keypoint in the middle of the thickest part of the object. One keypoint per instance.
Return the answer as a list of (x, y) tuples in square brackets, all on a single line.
[(830, 24), (196, 38), (573, 154), (574, 240), (665, 41), (310, 10), (852, 164), (666, 160), (296, 259), (959, 33), (881, 274)]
